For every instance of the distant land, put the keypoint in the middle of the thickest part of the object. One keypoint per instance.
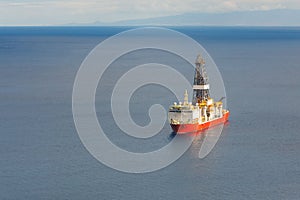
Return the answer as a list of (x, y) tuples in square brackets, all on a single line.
[(280, 17)]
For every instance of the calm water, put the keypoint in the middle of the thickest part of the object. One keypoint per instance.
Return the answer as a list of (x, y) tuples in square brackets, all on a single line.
[(41, 156)]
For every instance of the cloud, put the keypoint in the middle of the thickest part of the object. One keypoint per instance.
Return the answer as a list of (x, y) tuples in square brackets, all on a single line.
[(45, 12)]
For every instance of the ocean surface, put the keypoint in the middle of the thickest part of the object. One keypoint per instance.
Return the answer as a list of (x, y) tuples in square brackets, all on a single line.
[(42, 157)]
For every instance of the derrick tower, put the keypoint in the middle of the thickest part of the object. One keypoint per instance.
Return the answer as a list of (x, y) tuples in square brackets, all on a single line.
[(201, 86)]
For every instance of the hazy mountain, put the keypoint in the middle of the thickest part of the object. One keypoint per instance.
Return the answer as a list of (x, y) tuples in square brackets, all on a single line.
[(281, 17)]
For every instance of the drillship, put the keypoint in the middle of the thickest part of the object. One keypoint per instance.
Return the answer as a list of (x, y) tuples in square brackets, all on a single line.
[(202, 112)]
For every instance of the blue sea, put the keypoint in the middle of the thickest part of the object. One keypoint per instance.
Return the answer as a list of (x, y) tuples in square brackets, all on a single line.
[(42, 157)]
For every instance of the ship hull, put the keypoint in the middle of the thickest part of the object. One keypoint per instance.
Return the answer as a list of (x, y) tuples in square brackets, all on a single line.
[(187, 128)]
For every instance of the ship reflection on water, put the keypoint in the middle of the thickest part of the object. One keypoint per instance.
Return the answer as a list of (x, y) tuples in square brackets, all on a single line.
[(205, 140)]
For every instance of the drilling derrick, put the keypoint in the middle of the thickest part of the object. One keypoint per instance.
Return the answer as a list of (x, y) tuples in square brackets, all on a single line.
[(201, 86)]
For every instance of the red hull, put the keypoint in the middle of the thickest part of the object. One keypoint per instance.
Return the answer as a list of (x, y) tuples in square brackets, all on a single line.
[(186, 128)]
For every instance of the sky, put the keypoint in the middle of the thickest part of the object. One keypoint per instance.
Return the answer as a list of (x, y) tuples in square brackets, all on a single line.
[(60, 12)]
